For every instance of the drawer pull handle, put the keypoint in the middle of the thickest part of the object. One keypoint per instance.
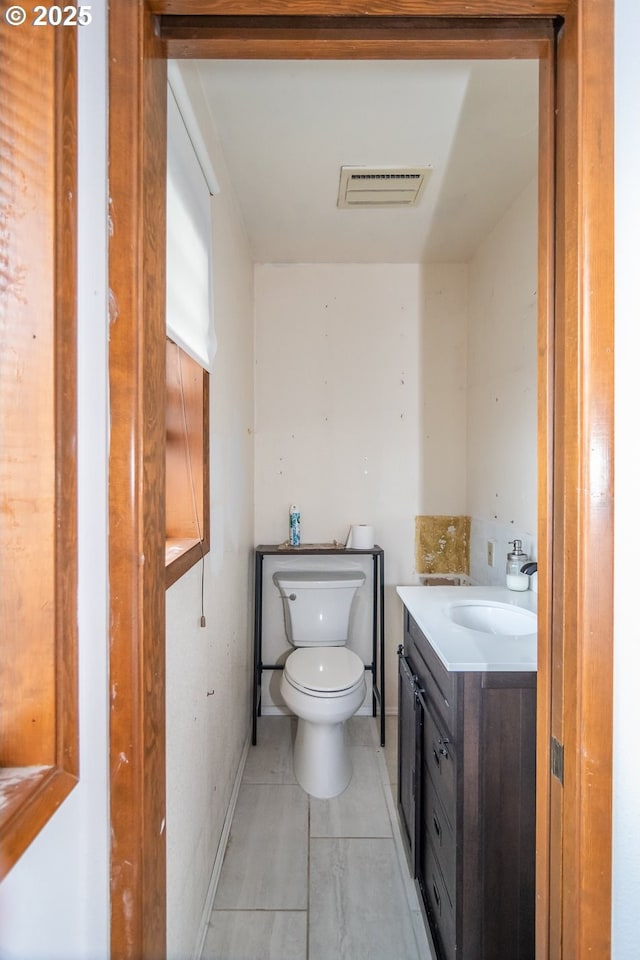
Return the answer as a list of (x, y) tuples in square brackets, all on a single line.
[(436, 827), (440, 750)]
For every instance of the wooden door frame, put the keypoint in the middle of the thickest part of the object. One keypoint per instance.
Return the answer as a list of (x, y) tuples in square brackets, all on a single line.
[(575, 429)]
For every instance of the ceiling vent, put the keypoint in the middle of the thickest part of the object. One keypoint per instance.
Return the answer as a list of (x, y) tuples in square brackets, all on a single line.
[(381, 186)]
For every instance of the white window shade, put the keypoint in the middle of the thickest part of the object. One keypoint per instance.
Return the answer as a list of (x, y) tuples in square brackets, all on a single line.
[(189, 246)]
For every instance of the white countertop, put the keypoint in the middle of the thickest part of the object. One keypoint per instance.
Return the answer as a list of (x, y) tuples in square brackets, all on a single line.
[(460, 648)]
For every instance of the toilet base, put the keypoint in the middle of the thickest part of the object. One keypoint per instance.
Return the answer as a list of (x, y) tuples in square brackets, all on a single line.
[(321, 760)]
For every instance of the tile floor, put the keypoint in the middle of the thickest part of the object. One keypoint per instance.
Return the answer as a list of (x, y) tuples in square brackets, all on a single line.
[(307, 879)]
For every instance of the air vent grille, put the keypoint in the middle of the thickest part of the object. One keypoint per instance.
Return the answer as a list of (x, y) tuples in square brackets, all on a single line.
[(381, 186)]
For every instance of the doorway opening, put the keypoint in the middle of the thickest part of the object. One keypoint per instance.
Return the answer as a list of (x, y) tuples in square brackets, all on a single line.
[(575, 529)]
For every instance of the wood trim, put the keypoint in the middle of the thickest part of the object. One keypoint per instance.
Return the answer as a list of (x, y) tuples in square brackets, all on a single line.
[(461, 9), (190, 552), (550, 924), (546, 352), (137, 175), (39, 474), (325, 38), (30, 806), (582, 599), (66, 405)]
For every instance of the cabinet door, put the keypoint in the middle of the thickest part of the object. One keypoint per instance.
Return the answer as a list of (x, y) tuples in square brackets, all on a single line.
[(436, 847), (408, 720)]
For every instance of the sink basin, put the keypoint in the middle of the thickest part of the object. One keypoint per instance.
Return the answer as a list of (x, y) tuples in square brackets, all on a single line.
[(501, 619)]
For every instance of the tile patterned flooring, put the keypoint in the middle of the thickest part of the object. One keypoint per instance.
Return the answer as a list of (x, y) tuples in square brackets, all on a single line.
[(307, 879)]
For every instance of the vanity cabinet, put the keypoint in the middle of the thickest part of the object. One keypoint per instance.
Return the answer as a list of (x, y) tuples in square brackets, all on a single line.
[(466, 801)]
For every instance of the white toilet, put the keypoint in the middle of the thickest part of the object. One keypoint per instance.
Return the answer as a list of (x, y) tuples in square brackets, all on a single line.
[(322, 682)]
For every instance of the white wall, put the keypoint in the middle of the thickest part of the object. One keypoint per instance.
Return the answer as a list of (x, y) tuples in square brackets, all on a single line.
[(209, 669), (54, 904), (626, 785), (340, 407), (443, 373), (337, 400), (502, 389)]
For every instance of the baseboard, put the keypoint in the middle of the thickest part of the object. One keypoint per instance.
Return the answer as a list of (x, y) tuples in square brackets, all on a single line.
[(222, 846)]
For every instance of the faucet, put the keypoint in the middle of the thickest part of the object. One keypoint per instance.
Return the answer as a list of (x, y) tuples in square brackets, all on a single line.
[(529, 567)]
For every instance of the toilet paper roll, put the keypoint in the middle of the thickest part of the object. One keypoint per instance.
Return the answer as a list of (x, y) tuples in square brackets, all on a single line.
[(360, 536)]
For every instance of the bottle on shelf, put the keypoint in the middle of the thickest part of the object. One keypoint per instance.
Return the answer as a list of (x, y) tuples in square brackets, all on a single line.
[(294, 526)]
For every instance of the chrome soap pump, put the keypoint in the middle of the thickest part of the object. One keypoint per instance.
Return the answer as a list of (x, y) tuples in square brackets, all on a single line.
[(516, 579)]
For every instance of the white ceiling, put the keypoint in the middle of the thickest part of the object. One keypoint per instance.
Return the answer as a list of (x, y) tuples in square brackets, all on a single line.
[(287, 127)]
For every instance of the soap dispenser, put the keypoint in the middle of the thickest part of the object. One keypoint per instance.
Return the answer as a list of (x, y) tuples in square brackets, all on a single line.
[(516, 579)]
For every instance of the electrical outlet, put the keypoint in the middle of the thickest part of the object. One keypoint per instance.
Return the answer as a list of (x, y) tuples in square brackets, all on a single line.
[(490, 545)]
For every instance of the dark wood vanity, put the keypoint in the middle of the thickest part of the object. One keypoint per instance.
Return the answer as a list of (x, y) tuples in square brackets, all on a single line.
[(466, 801)]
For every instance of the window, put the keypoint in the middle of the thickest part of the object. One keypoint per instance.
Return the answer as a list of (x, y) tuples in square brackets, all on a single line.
[(190, 336), (187, 462), (38, 516), (189, 241)]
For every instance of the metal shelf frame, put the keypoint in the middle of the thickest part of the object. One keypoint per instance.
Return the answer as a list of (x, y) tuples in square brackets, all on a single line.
[(376, 667)]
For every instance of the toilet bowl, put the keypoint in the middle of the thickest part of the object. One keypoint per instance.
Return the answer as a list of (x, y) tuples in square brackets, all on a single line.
[(323, 682), (323, 686)]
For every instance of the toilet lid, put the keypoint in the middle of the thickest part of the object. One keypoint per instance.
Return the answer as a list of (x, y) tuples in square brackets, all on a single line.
[(324, 669)]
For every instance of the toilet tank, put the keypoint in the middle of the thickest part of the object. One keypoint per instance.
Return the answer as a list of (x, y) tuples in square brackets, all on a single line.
[(317, 605)]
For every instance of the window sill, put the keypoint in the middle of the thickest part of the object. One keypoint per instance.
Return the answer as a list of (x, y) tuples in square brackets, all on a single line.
[(182, 553), (29, 796)]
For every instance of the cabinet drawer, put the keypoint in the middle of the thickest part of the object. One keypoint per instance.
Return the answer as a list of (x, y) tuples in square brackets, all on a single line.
[(439, 758), (440, 685), (440, 911), (441, 837)]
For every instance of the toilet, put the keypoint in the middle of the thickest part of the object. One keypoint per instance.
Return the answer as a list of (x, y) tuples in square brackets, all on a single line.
[(322, 681)]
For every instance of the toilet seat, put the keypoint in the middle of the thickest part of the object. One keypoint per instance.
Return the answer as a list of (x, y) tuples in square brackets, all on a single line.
[(324, 671)]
